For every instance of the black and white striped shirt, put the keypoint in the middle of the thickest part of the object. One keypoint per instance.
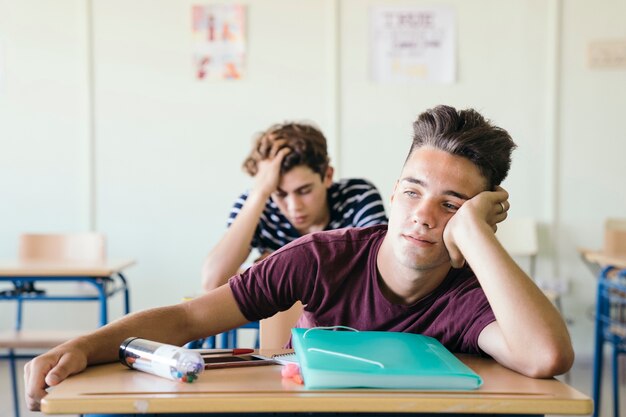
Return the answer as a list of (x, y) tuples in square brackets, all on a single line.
[(353, 203)]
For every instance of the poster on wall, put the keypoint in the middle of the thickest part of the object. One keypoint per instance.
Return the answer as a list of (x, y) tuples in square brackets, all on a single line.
[(219, 41), (412, 44)]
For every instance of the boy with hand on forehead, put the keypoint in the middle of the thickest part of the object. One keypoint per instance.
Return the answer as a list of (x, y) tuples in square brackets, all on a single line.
[(293, 195), (436, 269)]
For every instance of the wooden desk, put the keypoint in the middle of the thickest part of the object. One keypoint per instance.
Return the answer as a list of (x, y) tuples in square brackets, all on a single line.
[(98, 274), (16, 268), (114, 388), (603, 259), (20, 277)]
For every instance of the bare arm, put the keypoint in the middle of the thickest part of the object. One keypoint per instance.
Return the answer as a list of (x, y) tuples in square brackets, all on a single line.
[(210, 314), (234, 247), (231, 251), (524, 316)]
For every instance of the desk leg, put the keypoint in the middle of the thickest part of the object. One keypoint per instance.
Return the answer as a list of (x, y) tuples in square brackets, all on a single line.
[(126, 295), (13, 370), (18, 316), (615, 378), (102, 296), (598, 362)]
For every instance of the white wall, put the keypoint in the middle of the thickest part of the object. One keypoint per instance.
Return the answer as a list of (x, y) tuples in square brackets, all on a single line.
[(170, 148), (494, 76), (42, 128), (591, 163), (167, 148)]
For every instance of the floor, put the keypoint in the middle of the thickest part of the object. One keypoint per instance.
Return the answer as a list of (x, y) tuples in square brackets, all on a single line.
[(579, 377)]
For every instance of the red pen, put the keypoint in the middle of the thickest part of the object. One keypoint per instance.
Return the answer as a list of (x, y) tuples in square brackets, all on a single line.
[(234, 352)]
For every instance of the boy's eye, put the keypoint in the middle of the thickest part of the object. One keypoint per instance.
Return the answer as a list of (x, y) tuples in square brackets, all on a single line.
[(410, 193), (304, 191), (280, 195), (451, 206)]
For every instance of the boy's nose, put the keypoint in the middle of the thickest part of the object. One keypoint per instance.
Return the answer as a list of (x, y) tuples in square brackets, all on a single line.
[(425, 214)]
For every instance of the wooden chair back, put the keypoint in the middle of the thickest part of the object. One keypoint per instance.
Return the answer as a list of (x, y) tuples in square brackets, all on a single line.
[(615, 237), (276, 330), (519, 237), (80, 247)]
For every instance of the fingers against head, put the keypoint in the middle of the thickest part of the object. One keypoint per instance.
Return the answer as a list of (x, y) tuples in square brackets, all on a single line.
[(501, 202), (279, 150), (270, 145)]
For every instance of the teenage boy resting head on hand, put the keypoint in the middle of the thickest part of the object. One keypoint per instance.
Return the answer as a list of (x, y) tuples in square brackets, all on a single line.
[(293, 195), (436, 269)]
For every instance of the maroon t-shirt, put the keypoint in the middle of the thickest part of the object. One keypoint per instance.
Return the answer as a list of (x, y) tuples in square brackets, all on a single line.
[(334, 274)]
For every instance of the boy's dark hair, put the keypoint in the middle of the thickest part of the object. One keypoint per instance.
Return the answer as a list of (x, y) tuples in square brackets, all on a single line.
[(468, 134), (307, 144)]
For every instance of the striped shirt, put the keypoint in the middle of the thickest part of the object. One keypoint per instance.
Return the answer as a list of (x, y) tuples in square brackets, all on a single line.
[(352, 202)]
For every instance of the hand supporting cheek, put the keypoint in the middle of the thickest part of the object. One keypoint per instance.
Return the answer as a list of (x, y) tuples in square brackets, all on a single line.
[(499, 207), (488, 208)]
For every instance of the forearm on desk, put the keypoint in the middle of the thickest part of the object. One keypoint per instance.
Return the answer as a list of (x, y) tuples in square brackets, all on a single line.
[(211, 314), (522, 312), (158, 324)]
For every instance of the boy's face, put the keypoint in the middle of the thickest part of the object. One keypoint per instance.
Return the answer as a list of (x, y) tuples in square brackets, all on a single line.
[(432, 187), (301, 197)]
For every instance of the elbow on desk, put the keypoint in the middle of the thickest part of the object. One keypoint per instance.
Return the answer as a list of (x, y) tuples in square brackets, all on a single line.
[(550, 362)]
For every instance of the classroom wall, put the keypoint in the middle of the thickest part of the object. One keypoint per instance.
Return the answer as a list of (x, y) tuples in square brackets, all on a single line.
[(103, 126), (589, 163)]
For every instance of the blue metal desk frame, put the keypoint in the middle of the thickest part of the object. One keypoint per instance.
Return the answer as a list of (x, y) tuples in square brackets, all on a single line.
[(105, 286), (603, 333), (99, 283)]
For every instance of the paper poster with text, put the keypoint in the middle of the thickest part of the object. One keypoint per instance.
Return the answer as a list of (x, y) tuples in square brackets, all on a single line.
[(219, 41), (412, 44)]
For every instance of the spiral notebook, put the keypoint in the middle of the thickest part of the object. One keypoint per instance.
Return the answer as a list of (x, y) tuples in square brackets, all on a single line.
[(285, 358), (371, 359)]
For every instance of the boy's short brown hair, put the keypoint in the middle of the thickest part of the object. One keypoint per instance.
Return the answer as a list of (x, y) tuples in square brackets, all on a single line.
[(307, 144), (468, 134)]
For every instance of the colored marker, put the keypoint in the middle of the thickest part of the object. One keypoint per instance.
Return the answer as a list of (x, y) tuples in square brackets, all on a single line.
[(234, 352)]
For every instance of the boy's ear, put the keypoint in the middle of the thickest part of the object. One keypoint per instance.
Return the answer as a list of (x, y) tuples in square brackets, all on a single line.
[(393, 193), (328, 177)]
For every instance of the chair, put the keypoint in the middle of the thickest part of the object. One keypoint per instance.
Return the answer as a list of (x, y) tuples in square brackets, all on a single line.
[(615, 237), (84, 247), (275, 331), (226, 340), (230, 338), (610, 312), (519, 237), (611, 329), (80, 247)]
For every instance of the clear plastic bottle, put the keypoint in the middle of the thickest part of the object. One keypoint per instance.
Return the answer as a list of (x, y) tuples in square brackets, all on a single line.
[(160, 359)]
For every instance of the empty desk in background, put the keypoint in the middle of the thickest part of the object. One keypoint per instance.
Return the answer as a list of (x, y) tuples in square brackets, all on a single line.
[(598, 259), (106, 277), (113, 388), (18, 283)]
